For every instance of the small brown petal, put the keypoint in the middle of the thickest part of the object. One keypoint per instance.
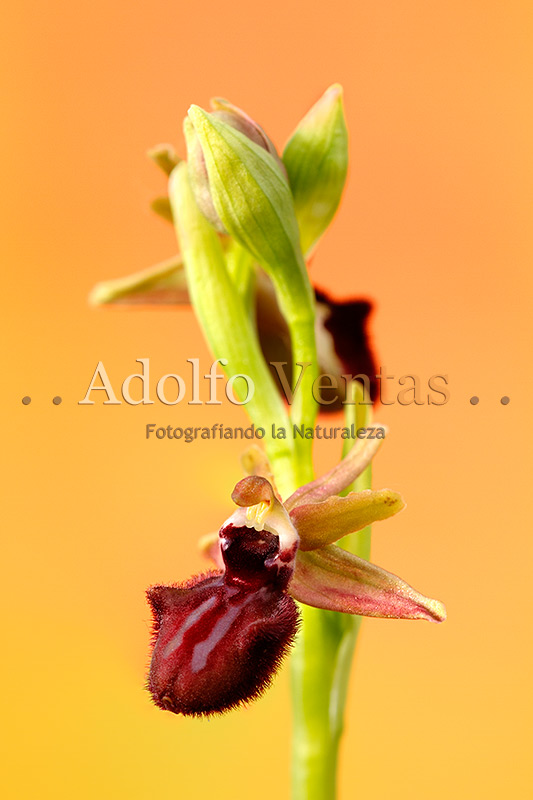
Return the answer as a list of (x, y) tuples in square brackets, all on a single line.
[(252, 490), (255, 462)]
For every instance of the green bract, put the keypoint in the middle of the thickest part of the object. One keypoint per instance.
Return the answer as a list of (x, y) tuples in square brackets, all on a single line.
[(316, 159)]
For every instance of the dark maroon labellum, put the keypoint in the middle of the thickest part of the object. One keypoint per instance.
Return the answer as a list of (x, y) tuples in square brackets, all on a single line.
[(219, 639), (347, 323)]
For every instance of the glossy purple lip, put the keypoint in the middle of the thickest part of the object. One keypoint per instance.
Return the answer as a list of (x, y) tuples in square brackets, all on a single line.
[(219, 639)]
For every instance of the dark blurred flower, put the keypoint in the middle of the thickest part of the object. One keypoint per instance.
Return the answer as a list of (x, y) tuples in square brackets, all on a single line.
[(342, 340)]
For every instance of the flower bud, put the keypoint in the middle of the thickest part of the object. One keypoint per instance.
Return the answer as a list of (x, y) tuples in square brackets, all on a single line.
[(316, 158), (237, 119), (199, 178), (245, 187), (253, 200)]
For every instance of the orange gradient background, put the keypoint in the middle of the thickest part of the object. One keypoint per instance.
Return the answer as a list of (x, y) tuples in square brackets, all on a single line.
[(435, 225)]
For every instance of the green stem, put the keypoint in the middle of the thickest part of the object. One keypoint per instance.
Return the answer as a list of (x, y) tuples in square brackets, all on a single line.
[(225, 322), (321, 665), (296, 301), (304, 408), (315, 742)]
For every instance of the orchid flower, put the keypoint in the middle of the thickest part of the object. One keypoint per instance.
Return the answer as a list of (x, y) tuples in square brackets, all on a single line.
[(247, 224), (220, 637)]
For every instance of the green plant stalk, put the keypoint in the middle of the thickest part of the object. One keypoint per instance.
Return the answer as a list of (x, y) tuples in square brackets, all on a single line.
[(304, 407), (301, 322), (298, 309), (322, 657), (320, 666), (254, 202), (225, 321)]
